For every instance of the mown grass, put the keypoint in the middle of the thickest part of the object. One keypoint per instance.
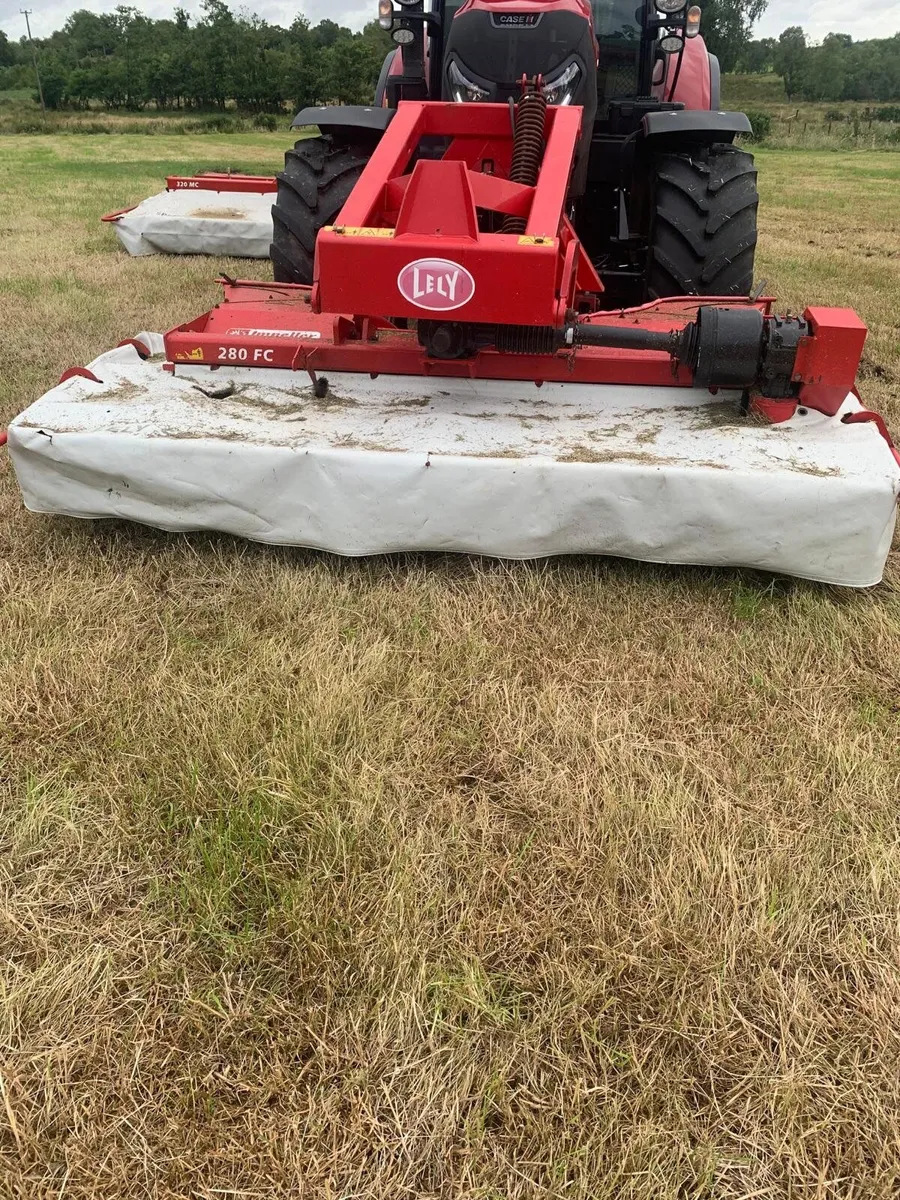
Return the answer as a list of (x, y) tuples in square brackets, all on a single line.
[(431, 876)]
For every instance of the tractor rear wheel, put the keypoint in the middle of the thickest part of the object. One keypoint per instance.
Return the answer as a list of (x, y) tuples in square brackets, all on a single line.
[(319, 175), (703, 233)]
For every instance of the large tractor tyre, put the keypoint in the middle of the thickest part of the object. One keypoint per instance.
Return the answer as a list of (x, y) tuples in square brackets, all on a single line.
[(319, 175), (703, 232)]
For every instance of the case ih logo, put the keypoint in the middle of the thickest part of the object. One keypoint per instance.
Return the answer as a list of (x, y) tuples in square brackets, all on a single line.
[(436, 284), (515, 20)]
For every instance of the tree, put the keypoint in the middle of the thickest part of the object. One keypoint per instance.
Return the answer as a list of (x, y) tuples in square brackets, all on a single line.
[(89, 35), (326, 33), (7, 53), (347, 73), (790, 59), (727, 25), (303, 73), (54, 80), (824, 69), (758, 57)]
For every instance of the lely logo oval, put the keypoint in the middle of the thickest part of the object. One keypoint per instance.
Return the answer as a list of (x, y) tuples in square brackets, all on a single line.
[(436, 284)]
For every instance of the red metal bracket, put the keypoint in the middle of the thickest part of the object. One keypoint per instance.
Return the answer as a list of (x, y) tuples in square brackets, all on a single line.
[(142, 349), (114, 216), (79, 373), (828, 362)]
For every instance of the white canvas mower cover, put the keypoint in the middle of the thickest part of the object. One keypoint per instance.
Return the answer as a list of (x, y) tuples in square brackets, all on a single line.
[(218, 214), (490, 467)]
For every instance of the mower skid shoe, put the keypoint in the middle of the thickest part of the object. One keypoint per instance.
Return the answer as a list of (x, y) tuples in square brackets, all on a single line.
[(506, 469)]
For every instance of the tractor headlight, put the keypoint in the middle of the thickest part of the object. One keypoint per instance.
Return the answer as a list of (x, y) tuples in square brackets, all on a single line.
[(562, 90), (462, 89), (670, 6)]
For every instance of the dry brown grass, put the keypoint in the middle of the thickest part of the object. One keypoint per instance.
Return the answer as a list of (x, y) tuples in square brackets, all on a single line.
[(432, 877)]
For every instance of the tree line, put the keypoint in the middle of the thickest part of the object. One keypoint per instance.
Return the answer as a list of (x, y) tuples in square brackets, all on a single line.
[(125, 60), (838, 69)]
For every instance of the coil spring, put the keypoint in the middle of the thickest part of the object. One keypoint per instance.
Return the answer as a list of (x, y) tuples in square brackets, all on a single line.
[(527, 339), (528, 146)]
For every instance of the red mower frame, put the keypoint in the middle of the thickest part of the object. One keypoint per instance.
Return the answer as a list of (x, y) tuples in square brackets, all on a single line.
[(395, 217), (404, 213)]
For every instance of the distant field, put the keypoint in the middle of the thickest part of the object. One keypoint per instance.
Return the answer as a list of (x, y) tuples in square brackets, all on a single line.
[(796, 124), (434, 877)]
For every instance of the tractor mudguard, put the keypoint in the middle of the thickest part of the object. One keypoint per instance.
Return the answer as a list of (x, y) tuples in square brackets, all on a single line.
[(696, 126), (391, 57), (338, 119), (715, 83)]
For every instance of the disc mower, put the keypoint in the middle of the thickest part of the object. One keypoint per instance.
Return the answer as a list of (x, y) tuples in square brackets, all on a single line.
[(215, 212), (512, 315)]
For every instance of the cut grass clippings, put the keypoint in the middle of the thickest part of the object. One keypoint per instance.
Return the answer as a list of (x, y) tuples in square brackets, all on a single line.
[(432, 876)]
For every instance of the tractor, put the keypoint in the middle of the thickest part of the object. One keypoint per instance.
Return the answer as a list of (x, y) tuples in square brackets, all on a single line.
[(662, 200)]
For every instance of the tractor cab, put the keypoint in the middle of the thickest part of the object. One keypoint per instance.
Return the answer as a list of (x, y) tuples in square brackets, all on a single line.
[(623, 50)]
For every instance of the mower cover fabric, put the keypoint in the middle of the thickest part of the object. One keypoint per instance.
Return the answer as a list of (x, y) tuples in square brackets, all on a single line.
[(233, 224), (669, 475)]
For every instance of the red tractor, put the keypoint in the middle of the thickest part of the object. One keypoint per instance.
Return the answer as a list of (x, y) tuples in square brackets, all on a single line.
[(662, 201)]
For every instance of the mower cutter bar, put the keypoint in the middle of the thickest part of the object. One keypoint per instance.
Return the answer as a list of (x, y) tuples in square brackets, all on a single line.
[(734, 343)]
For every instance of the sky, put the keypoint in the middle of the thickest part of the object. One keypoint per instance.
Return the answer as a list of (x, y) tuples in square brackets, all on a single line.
[(861, 19)]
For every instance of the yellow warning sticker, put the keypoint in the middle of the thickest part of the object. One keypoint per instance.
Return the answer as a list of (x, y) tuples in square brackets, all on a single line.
[(359, 231), (536, 241), (189, 356)]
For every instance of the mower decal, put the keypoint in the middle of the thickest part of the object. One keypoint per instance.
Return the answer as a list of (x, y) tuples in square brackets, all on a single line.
[(190, 355), (246, 354), (436, 284), (371, 231), (293, 335)]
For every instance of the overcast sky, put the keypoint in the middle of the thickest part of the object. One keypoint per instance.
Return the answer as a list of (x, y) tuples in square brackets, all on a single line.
[(861, 19)]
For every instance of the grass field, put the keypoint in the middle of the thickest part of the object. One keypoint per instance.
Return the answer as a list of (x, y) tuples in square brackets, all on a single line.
[(430, 876)]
